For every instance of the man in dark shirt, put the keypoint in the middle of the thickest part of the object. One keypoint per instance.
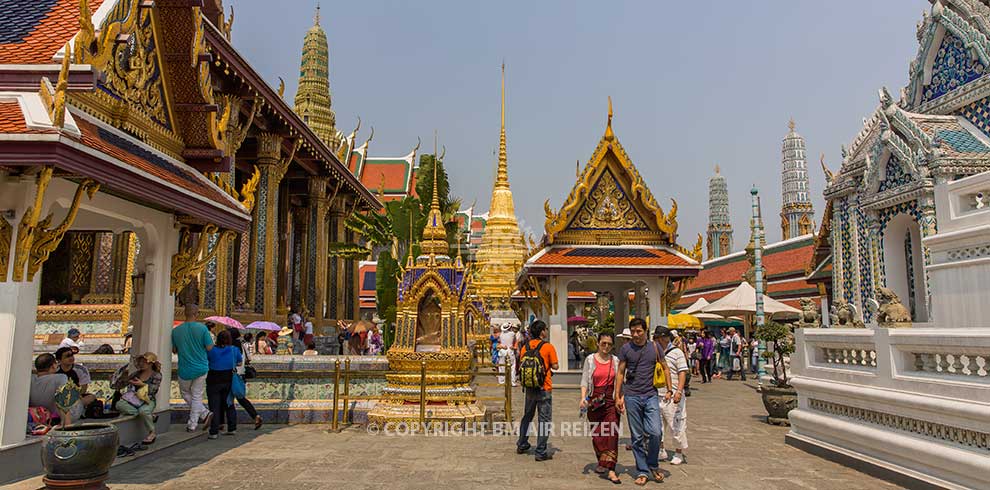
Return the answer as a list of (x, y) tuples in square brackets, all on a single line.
[(76, 372), (635, 394)]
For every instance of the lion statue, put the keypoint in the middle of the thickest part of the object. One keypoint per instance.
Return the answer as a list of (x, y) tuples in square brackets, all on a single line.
[(891, 309), (846, 315), (809, 317)]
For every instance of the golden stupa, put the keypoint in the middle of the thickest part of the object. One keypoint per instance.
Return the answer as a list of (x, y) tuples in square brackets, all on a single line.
[(502, 251), (430, 328)]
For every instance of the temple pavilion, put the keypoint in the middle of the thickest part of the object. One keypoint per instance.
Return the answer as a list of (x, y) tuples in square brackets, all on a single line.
[(144, 163), (609, 236)]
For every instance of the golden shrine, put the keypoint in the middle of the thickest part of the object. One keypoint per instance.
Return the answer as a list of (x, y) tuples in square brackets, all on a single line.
[(431, 330), (612, 237), (502, 251)]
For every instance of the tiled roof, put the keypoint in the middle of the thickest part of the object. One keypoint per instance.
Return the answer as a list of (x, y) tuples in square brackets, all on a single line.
[(32, 31), (367, 274), (605, 256), (394, 171), (779, 259), (12, 120), (956, 139), (125, 150)]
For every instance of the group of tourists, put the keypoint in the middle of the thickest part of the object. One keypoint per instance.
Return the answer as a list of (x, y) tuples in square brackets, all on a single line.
[(506, 342), (646, 381), (725, 356)]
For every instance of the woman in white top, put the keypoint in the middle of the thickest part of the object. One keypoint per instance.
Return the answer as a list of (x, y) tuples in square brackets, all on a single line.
[(597, 397)]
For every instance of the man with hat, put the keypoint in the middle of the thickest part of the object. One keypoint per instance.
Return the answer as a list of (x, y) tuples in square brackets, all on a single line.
[(72, 339), (673, 406)]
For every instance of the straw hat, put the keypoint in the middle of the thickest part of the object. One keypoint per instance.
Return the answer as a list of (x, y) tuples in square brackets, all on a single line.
[(149, 357), (285, 331), (626, 334)]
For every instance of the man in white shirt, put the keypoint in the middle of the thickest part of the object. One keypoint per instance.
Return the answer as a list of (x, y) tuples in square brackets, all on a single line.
[(673, 409)]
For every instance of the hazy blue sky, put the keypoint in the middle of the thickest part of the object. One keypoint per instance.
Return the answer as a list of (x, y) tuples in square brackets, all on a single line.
[(693, 84)]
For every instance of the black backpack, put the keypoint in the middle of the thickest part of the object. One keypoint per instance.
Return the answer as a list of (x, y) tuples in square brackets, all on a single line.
[(532, 371)]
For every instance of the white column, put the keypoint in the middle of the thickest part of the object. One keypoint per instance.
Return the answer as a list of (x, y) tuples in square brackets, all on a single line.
[(558, 322), (621, 306), (640, 301), (154, 334), (654, 301)]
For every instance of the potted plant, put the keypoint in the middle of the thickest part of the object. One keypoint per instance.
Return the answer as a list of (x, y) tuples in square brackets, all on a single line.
[(779, 398)]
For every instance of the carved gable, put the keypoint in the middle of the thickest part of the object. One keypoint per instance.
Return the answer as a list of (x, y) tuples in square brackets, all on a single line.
[(607, 207), (954, 66)]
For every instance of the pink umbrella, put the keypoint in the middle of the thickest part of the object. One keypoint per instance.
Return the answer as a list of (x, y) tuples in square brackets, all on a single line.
[(225, 320), (576, 320), (263, 326)]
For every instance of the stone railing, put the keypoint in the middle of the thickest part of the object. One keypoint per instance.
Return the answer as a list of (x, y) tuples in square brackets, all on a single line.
[(847, 349)]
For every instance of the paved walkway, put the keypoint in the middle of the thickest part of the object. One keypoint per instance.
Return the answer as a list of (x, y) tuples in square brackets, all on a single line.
[(732, 448)]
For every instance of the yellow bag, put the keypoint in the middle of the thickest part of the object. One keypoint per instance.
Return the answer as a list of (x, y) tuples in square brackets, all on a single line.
[(659, 376)]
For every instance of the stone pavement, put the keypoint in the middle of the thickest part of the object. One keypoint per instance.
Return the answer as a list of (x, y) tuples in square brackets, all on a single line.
[(731, 448)]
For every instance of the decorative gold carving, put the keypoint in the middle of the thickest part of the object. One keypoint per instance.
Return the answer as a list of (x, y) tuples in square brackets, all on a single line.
[(98, 50), (249, 190), (29, 222), (189, 262), (54, 99), (227, 24), (128, 266), (281, 88), (81, 313), (269, 146), (283, 165), (46, 240), (606, 207), (133, 72), (6, 231)]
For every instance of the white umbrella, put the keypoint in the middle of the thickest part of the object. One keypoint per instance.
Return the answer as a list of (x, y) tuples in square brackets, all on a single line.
[(695, 310), (742, 301)]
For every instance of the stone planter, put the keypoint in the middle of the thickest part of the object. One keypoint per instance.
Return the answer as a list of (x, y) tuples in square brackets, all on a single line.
[(778, 402), (79, 456)]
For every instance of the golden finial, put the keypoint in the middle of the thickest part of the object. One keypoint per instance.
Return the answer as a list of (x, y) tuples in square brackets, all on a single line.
[(828, 173), (716, 169), (790, 125), (316, 18), (502, 173), (281, 87), (370, 137), (58, 109), (608, 129), (577, 168), (434, 235)]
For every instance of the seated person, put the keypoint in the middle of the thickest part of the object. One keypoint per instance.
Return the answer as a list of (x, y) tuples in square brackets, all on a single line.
[(310, 350), (76, 372), (139, 383), (45, 385), (72, 339)]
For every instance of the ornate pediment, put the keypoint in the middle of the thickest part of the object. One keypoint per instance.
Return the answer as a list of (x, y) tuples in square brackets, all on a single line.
[(610, 204)]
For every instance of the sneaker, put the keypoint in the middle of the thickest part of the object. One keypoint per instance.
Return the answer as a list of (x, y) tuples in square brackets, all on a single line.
[(522, 449), (544, 458), (677, 459), (213, 436), (663, 455), (230, 433)]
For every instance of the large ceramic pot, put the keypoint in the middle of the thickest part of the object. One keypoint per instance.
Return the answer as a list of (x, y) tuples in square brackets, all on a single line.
[(778, 402), (80, 452)]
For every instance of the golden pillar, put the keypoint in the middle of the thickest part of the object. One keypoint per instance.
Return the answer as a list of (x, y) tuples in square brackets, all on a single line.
[(264, 246), (339, 282), (316, 298)]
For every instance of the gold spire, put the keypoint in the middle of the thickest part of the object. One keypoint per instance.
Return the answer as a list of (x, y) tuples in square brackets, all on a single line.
[(313, 101), (790, 125), (316, 18), (609, 135), (434, 235), (502, 252)]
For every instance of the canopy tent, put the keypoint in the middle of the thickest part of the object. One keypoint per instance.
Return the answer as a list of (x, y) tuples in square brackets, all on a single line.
[(695, 310), (684, 321), (742, 301)]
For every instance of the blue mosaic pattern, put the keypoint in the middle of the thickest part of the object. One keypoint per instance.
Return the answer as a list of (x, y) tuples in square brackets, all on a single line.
[(909, 260), (954, 67), (865, 262), (847, 263), (261, 224), (978, 113), (334, 264), (910, 207), (963, 141), (210, 277), (296, 271), (314, 258), (894, 175)]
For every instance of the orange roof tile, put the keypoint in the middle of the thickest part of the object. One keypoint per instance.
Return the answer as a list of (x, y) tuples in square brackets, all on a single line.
[(778, 261), (595, 256), (34, 31), (126, 151), (12, 120), (394, 174)]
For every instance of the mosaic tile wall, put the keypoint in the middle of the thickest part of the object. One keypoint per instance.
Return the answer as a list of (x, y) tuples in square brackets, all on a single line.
[(101, 327), (845, 235), (894, 175), (865, 263), (954, 67), (261, 224), (909, 260), (978, 113)]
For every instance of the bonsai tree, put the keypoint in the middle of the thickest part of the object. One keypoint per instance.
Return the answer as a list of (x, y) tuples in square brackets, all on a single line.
[(777, 337)]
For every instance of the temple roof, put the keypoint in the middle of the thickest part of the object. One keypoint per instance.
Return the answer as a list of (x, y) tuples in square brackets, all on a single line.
[(610, 204), (33, 31), (638, 259)]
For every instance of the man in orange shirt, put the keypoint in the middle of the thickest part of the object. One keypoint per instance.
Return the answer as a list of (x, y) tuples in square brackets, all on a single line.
[(538, 400)]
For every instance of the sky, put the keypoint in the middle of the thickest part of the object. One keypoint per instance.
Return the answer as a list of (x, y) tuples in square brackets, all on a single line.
[(693, 84)]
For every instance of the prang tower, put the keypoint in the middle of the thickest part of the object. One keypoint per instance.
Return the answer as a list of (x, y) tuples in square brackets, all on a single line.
[(797, 216), (313, 102), (719, 225)]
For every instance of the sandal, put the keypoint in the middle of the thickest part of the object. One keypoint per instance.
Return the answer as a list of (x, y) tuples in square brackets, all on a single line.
[(658, 476), (257, 422), (147, 441), (641, 480), (615, 480)]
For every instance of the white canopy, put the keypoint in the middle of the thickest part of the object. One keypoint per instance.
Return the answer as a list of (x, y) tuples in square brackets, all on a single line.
[(742, 301), (695, 310)]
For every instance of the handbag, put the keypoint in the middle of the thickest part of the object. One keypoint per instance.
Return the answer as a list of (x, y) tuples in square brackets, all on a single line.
[(659, 375), (237, 387), (736, 364), (250, 372)]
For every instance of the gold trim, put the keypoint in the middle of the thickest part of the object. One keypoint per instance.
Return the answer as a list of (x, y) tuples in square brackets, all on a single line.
[(28, 224), (188, 263), (6, 232), (80, 313), (128, 295), (46, 240)]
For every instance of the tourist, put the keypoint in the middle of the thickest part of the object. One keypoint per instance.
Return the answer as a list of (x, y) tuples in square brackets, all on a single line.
[(126, 348), (355, 344), (694, 355), (754, 355), (621, 339), (45, 384), (140, 389), (248, 344), (539, 399), (191, 340), (235, 340), (310, 350), (707, 361), (284, 341), (673, 407), (636, 395), (77, 373), (724, 344), (376, 344), (507, 355), (262, 345), (308, 333), (735, 355), (341, 337), (73, 338), (223, 360), (679, 342), (298, 330), (598, 398)]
